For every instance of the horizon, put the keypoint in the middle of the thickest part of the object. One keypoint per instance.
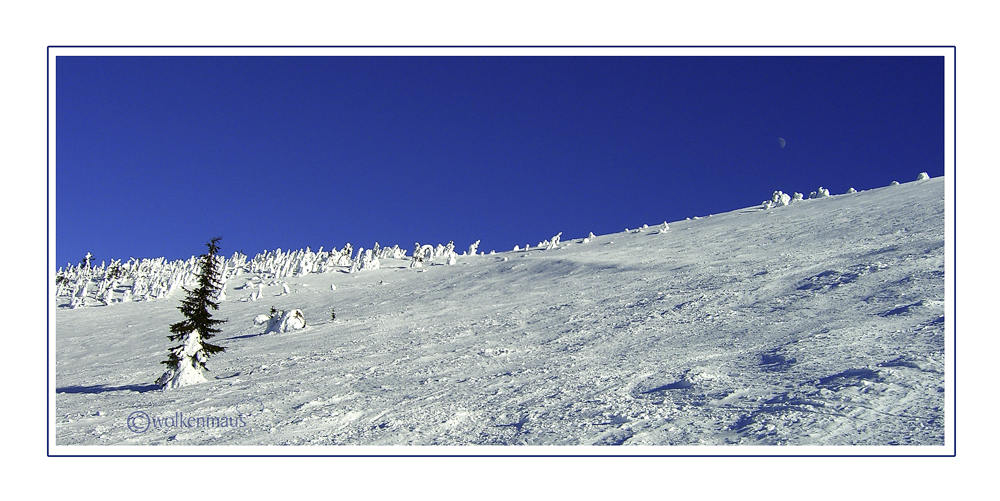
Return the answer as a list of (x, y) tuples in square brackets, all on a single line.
[(309, 151)]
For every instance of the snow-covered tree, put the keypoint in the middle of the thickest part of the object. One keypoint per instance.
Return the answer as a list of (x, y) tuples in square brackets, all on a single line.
[(417, 260), (473, 248), (368, 260), (429, 251), (345, 256), (186, 362), (554, 243), (449, 253)]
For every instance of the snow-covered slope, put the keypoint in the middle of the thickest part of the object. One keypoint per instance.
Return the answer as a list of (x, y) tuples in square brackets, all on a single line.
[(816, 323)]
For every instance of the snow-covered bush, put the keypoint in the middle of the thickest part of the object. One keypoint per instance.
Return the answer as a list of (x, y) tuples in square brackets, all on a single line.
[(894, 183), (852, 190), (550, 244), (796, 196), (923, 176), (778, 199), (664, 227), (284, 321), (820, 193)]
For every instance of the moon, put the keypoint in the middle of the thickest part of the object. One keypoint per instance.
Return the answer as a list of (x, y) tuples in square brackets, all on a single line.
[(781, 142)]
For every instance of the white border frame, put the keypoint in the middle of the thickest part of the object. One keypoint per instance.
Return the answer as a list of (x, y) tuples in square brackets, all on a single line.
[(948, 449)]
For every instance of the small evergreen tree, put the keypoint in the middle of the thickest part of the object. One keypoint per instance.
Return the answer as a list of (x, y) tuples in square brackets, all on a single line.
[(198, 326)]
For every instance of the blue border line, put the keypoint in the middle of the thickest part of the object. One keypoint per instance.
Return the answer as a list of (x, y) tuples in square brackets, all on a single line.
[(954, 55), (48, 248), (954, 256)]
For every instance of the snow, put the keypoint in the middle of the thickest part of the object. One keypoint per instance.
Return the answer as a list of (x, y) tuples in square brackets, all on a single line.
[(822, 323)]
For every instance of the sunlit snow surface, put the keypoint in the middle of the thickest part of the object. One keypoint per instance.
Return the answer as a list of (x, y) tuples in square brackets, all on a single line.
[(820, 322)]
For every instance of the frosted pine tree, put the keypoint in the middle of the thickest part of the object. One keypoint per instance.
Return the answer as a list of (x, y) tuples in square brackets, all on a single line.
[(345, 256), (418, 256), (186, 362), (554, 243)]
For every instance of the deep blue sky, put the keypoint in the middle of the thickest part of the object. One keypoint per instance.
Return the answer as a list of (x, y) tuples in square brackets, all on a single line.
[(156, 155)]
